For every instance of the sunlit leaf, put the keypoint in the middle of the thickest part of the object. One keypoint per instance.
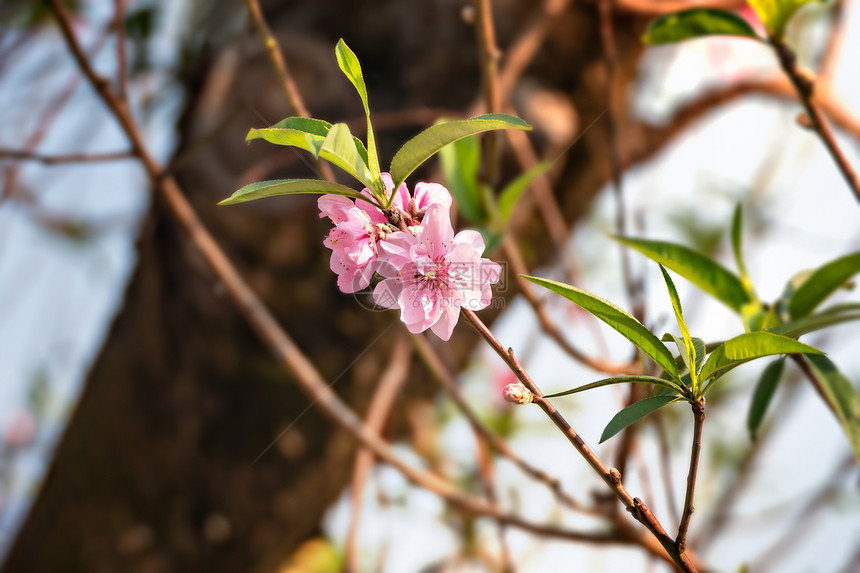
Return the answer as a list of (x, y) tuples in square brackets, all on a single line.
[(620, 320), (763, 394), (821, 284), (679, 316), (669, 384), (842, 397), (775, 14), (697, 23), (302, 132), (424, 145), (702, 271), (749, 346), (262, 189), (351, 68), (339, 148), (634, 412)]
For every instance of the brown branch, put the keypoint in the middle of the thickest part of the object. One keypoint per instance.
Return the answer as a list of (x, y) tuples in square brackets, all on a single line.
[(548, 326), (804, 84), (24, 155), (687, 514), (522, 51), (812, 376), (275, 337), (122, 63), (273, 49), (390, 383), (446, 379), (611, 477)]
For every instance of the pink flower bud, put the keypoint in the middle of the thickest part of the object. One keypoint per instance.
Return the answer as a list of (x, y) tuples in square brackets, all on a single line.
[(19, 429), (518, 394)]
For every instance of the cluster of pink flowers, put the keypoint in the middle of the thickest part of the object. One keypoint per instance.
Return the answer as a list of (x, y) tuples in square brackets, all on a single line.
[(428, 272)]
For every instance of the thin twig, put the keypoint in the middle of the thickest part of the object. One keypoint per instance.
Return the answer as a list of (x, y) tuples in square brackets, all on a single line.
[(804, 84), (24, 155), (122, 63), (390, 383), (687, 513), (548, 326), (273, 49), (446, 379), (611, 477), (811, 375), (277, 339)]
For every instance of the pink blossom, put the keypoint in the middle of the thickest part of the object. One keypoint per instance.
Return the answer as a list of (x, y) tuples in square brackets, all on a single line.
[(359, 226), (432, 274), (20, 429), (352, 241)]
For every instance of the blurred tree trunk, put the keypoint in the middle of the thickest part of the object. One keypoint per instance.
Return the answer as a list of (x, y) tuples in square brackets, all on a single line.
[(156, 471)]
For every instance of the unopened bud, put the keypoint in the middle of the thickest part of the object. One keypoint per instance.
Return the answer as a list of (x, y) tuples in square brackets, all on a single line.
[(518, 394)]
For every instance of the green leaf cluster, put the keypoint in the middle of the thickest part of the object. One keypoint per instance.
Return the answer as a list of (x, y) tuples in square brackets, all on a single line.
[(771, 330), (336, 144)]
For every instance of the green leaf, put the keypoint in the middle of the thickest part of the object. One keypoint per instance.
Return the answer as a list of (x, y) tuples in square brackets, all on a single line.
[(690, 350), (697, 23), (775, 14), (262, 189), (339, 148), (749, 346), (834, 315), (701, 350), (821, 284), (633, 412), (669, 384), (350, 67), (460, 162), (424, 145), (737, 232), (683, 359), (302, 132), (842, 396), (696, 268), (514, 190), (763, 394), (621, 321)]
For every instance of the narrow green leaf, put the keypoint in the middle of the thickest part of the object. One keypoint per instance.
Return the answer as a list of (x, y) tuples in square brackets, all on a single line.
[(697, 23), (460, 162), (307, 124), (669, 384), (351, 68), (834, 315), (701, 350), (618, 319), (821, 284), (514, 190), (749, 346), (737, 233), (702, 271), (775, 14), (262, 189), (763, 394), (424, 145), (842, 396), (679, 316), (339, 148), (633, 412)]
